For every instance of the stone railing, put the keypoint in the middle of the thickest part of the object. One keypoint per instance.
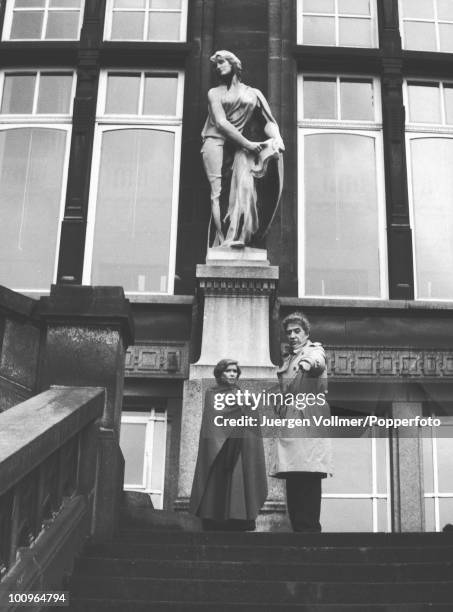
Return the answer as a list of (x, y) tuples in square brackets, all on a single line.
[(49, 451)]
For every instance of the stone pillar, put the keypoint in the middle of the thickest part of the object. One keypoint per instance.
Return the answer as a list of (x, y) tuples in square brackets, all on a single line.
[(88, 330), (408, 508), (237, 286)]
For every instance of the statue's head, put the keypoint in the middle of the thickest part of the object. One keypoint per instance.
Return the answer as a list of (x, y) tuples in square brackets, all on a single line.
[(226, 62), (227, 370)]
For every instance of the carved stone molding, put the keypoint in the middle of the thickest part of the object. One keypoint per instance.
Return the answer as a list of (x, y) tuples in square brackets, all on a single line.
[(169, 359), (237, 286), (389, 362)]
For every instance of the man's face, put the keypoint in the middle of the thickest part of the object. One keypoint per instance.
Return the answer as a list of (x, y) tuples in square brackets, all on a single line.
[(296, 335), (230, 374)]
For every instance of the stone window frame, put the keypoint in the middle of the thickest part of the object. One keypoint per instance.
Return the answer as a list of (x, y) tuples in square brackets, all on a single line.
[(417, 131), (147, 10), (46, 9), (109, 122), (60, 122), (372, 129), (373, 18), (375, 496), (435, 20)]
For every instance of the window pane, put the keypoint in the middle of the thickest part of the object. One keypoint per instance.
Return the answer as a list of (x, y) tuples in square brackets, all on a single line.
[(165, 4), (347, 514), (342, 258), (320, 99), (432, 187), (381, 464), (31, 170), (354, 7), (418, 9), (158, 463), (122, 94), (351, 476), (428, 467), (65, 3), (448, 96), (63, 24), (383, 523), (355, 32), (356, 100), (164, 26), (446, 37), (319, 6), (430, 519), (18, 93), (27, 24), (445, 9), (445, 459), (424, 103), (129, 4), (160, 95), (133, 214), (319, 31), (132, 442), (445, 512), (420, 36), (54, 93), (128, 26), (29, 3)]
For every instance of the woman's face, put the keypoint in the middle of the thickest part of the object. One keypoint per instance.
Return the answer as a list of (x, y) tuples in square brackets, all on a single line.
[(223, 66), (230, 375)]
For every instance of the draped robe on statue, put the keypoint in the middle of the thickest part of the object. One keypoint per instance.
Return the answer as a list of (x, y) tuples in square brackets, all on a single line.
[(246, 213)]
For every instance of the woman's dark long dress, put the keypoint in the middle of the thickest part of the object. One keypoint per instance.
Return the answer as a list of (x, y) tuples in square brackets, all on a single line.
[(230, 482)]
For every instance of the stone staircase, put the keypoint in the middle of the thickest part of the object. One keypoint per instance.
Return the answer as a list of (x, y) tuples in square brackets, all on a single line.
[(156, 570)]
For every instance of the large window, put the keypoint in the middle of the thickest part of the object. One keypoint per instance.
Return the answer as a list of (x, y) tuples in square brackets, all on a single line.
[(427, 25), (438, 466), (341, 188), (143, 444), (43, 19), (35, 122), (429, 131), (345, 23), (153, 20), (131, 232), (357, 498)]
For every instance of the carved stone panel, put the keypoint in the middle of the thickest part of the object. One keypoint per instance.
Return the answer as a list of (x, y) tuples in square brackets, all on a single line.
[(158, 360)]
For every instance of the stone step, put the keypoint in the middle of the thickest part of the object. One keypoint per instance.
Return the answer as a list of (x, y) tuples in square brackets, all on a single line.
[(243, 570), (272, 554), (268, 592), (109, 605), (285, 538)]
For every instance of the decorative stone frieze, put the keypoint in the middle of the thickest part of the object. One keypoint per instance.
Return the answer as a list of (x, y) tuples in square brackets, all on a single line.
[(158, 360)]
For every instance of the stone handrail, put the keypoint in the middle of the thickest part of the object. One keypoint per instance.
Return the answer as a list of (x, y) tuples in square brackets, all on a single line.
[(49, 450)]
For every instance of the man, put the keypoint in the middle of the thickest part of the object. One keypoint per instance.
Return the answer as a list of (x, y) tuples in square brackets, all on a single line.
[(303, 461)]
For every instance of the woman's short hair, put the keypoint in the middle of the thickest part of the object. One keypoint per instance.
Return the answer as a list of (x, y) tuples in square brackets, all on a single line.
[(231, 58), (297, 318), (223, 365)]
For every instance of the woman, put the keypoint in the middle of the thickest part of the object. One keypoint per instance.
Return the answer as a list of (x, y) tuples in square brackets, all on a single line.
[(234, 111), (230, 483)]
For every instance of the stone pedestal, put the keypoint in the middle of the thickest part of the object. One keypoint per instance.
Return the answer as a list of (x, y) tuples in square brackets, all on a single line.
[(237, 286)]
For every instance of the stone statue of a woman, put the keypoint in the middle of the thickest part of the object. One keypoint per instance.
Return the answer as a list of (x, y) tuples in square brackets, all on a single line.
[(234, 158)]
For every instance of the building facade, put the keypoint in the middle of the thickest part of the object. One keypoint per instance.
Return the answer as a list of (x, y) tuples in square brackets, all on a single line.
[(101, 183)]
